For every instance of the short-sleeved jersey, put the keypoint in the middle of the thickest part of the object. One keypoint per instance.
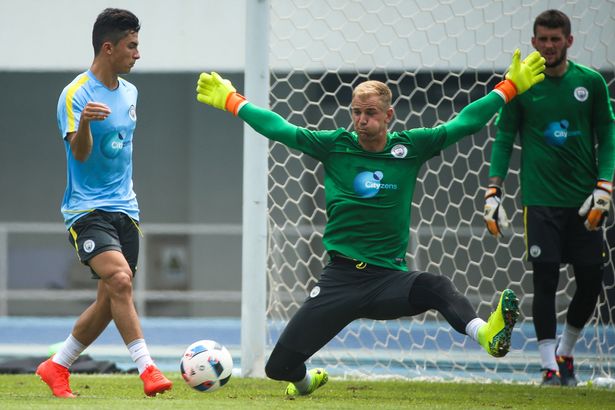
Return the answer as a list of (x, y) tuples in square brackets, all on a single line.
[(369, 195), (557, 121), (104, 180)]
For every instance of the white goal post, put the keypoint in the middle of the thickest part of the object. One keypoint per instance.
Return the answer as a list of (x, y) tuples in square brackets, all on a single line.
[(436, 56)]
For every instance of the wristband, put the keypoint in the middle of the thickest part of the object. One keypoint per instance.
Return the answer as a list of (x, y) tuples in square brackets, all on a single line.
[(493, 190), (234, 102), (506, 89), (605, 186)]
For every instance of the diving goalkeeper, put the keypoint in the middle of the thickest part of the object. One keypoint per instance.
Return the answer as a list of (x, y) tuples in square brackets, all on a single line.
[(370, 174)]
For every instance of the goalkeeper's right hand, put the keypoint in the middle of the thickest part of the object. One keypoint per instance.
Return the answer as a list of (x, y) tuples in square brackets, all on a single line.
[(218, 92), (494, 215), (521, 75)]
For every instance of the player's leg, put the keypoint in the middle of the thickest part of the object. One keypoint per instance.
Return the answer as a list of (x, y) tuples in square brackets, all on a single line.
[(328, 309), (545, 277), (289, 365), (437, 292), (91, 322), (116, 276), (588, 286), (586, 251), (544, 230), (88, 327), (116, 269), (306, 333), (95, 319)]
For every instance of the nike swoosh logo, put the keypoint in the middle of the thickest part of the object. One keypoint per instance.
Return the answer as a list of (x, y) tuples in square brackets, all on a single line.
[(538, 98)]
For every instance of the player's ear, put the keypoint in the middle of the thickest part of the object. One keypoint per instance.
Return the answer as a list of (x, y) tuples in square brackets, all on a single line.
[(389, 114), (570, 40), (106, 48)]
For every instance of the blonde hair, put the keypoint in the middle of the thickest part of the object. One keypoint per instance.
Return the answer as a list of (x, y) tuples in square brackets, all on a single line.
[(373, 87)]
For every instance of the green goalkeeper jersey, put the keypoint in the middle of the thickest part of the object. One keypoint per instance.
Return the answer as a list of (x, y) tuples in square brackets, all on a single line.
[(560, 121), (369, 194)]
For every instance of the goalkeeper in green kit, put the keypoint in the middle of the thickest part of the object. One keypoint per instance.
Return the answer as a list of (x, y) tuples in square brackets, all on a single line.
[(566, 185), (370, 174)]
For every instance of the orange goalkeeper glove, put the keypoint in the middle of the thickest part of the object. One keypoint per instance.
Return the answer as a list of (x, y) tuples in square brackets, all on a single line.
[(595, 209), (494, 214), (521, 75), (214, 90)]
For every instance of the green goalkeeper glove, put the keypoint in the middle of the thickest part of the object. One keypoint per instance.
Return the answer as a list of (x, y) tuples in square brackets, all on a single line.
[(521, 75), (595, 209), (494, 214), (218, 92)]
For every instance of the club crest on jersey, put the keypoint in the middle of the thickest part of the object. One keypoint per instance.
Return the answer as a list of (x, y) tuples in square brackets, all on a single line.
[(132, 112), (399, 151), (581, 94), (315, 291)]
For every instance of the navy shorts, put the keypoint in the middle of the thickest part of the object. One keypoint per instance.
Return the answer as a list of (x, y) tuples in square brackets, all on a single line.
[(557, 235), (101, 231), (347, 290)]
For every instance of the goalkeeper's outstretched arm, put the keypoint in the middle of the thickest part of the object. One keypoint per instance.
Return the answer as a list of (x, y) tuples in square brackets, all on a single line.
[(219, 93), (521, 76)]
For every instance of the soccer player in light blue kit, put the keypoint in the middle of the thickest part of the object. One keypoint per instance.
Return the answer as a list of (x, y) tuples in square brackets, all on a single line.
[(97, 117)]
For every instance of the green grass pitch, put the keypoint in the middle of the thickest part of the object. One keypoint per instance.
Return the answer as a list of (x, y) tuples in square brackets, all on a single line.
[(125, 392)]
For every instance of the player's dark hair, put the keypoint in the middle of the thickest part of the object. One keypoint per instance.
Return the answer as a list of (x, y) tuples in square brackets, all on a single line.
[(553, 19), (113, 25)]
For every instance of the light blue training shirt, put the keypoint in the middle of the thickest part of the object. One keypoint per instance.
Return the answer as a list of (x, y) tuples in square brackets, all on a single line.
[(104, 180)]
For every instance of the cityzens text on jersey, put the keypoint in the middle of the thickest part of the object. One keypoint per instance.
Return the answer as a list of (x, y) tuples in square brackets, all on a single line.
[(558, 132), (112, 144), (367, 184)]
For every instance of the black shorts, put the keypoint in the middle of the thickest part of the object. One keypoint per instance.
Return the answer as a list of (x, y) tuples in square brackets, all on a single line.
[(101, 231), (557, 235), (347, 290)]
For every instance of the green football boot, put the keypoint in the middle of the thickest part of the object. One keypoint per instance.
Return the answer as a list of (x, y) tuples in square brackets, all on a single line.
[(319, 378), (495, 336)]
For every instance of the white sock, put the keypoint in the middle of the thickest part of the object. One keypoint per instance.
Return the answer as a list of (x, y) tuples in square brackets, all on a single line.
[(303, 385), (140, 354), (69, 352), (546, 348), (569, 338), (473, 326)]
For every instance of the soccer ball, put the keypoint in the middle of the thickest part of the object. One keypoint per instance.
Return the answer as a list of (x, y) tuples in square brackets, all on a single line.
[(206, 365)]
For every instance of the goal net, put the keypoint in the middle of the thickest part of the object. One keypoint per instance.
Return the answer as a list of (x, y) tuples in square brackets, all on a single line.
[(436, 56)]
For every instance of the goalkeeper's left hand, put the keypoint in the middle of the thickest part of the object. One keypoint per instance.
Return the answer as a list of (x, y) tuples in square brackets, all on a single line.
[(218, 92), (521, 75), (595, 209)]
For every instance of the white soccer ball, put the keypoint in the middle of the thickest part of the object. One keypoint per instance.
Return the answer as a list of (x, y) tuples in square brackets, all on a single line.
[(206, 365)]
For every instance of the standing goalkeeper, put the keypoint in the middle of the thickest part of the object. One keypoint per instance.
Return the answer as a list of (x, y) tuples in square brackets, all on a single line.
[(369, 181), (566, 185)]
